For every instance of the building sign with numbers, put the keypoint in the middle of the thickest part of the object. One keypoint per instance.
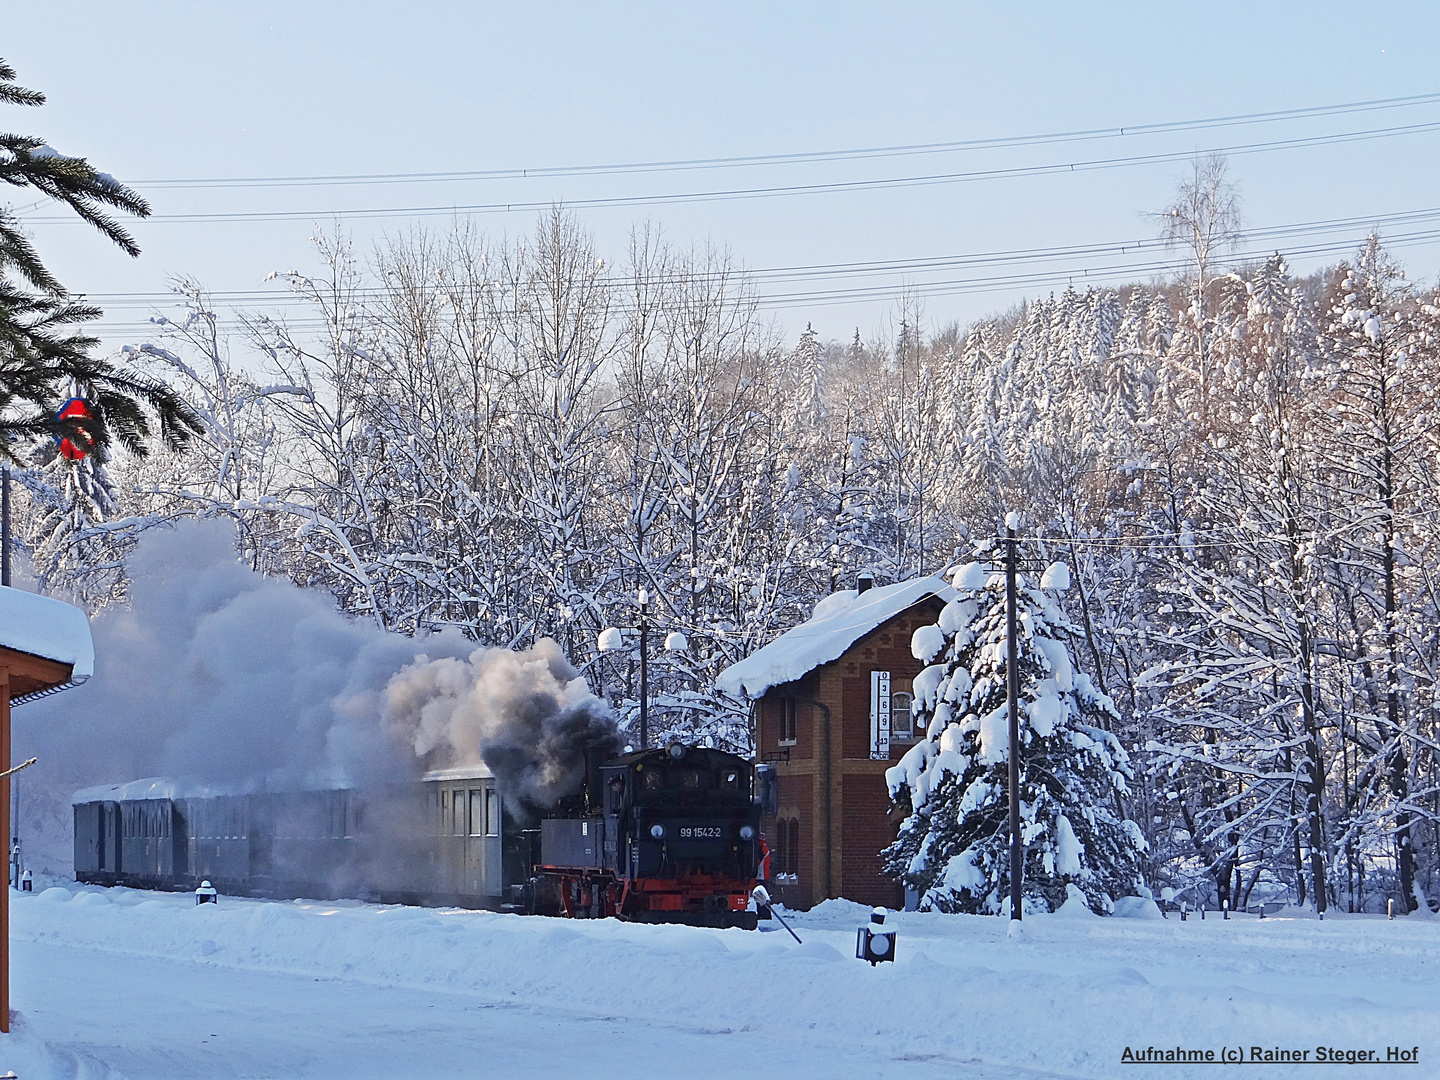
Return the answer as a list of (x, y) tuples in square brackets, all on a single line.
[(880, 715)]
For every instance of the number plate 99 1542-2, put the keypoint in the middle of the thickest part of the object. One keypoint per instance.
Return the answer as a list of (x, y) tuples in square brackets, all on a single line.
[(701, 832)]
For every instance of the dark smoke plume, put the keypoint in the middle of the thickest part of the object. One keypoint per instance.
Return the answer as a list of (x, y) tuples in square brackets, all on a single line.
[(530, 714)]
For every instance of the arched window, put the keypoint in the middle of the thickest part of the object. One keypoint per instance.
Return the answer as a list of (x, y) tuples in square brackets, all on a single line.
[(785, 861), (901, 724), (793, 847)]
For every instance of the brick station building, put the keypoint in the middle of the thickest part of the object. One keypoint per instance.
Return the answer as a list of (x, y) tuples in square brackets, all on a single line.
[(831, 708)]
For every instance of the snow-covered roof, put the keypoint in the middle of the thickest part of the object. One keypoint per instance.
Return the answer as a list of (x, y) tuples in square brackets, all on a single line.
[(41, 626), (459, 772), (165, 787), (840, 620), (152, 787)]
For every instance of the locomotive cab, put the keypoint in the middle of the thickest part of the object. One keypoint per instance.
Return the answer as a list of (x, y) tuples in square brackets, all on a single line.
[(666, 835), (685, 812)]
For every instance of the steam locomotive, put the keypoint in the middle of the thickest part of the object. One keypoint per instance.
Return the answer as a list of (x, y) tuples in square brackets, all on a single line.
[(663, 835)]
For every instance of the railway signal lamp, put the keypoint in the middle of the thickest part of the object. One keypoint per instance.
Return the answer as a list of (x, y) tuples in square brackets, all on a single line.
[(74, 439), (206, 894), (873, 943)]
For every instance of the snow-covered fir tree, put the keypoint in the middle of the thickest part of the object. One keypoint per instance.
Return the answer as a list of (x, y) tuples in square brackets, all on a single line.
[(73, 551), (953, 847)]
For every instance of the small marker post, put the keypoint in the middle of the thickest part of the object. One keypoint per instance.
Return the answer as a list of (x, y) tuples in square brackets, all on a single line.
[(761, 896)]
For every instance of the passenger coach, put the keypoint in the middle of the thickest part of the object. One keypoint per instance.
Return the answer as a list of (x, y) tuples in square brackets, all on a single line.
[(439, 841)]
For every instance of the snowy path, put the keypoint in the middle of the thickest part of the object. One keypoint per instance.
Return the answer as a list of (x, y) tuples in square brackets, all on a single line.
[(153, 987)]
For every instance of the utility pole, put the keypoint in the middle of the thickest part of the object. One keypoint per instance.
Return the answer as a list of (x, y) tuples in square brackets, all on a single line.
[(5, 526), (644, 671), (1012, 707)]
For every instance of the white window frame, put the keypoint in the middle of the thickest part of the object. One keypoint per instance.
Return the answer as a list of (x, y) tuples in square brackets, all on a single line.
[(790, 708)]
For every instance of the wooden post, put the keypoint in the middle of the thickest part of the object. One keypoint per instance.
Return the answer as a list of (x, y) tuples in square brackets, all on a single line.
[(5, 832)]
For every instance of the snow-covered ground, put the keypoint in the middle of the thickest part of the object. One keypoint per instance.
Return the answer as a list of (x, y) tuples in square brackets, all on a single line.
[(115, 982)]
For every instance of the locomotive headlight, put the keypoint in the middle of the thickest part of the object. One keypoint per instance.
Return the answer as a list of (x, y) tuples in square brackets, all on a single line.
[(746, 832), (657, 831)]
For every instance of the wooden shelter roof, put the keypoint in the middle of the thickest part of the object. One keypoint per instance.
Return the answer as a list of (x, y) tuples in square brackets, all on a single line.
[(44, 644)]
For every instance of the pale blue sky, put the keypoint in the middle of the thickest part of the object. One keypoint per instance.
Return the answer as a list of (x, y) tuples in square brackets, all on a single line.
[(182, 91)]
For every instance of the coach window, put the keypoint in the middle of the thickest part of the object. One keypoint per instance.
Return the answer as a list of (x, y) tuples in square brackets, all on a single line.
[(787, 721), (457, 813), (477, 812), (492, 812), (900, 720)]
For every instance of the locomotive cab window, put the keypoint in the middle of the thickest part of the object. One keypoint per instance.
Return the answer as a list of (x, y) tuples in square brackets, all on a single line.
[(653, 779)]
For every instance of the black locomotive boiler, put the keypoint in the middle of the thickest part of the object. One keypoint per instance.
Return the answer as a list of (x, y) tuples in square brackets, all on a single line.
[(667, 835)]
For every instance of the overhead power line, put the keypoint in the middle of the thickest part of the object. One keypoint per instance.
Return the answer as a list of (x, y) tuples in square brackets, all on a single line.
[(1261, 241), (750, 161), (777, 191), (1097, 276)]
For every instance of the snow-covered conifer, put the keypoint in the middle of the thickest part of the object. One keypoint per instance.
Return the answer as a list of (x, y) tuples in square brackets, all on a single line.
[(954, 844)]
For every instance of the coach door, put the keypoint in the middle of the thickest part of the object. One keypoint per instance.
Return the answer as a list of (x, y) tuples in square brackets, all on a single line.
[(482, 844), (110, 861)]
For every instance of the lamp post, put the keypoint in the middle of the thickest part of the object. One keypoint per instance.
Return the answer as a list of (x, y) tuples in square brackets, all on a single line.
[(644, 670), (611, 640)]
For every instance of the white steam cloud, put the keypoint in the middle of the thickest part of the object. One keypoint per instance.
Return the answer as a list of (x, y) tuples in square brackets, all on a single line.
[(216, 675)]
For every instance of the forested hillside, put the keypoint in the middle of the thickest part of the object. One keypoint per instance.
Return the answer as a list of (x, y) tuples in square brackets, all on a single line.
[(514, 436)]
